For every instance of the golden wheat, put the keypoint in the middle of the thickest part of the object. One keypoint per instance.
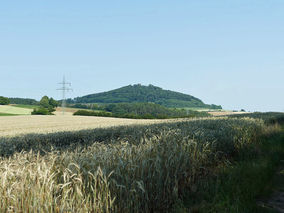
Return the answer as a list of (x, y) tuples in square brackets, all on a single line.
[(15, 125), (130, 169)]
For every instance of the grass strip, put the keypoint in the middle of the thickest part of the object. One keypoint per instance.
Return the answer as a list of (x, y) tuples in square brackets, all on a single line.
[(6, 114), (236, 187)]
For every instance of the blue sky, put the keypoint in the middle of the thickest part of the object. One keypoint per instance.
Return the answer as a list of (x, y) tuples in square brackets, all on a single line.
[(223, 52)]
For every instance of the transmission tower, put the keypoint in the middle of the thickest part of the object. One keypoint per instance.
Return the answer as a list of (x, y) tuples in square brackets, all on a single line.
[(65, 88)]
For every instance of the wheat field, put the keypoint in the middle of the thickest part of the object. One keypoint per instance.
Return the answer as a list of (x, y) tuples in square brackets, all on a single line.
[(121, 169), (16, 125)]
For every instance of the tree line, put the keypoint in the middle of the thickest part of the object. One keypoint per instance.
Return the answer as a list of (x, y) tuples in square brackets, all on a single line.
[(140, 111), (25, 101)]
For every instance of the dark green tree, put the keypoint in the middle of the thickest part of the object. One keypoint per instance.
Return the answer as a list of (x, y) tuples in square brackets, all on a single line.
[(44, 102), (4, 100), (53, 103)]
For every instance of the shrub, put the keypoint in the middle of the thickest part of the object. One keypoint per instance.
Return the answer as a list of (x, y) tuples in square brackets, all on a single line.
[(41, 111), (93, 113)]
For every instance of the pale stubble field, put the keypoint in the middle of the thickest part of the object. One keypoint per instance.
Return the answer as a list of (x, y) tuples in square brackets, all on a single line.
[(16, 125), (25, 124)]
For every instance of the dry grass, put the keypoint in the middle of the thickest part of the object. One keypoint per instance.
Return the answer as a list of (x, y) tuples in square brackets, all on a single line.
[(15, 125)]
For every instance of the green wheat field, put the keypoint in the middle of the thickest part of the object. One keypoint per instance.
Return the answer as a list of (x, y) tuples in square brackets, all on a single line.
[(137, 168)]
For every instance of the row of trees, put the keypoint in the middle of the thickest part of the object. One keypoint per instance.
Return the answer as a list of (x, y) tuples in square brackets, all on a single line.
[(25, 101), (87, 106), (149, 110), (141, 110)]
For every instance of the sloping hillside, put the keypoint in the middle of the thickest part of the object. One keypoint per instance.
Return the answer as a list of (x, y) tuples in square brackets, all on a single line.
[(12, 110), (140, 93)]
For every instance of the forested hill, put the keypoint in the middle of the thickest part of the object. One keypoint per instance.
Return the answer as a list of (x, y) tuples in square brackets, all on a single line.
[(140, 93)]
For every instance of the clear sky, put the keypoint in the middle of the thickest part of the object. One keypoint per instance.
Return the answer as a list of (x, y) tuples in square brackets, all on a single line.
[(221, 51)]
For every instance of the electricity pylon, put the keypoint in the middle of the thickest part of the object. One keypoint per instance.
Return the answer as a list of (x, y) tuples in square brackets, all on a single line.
[(64, 89)]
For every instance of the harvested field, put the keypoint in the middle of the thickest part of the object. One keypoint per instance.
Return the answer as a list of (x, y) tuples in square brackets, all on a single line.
[(225, 113), (66, 110), (15, 125)]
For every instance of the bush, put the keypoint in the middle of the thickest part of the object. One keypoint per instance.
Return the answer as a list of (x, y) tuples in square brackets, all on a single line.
[(41, 111), (93, 113)]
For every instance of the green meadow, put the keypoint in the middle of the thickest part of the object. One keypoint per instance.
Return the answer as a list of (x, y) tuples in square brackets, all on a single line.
[(7, 109)]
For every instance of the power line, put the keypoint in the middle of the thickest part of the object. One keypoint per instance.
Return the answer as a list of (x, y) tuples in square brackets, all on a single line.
[(65, 88)]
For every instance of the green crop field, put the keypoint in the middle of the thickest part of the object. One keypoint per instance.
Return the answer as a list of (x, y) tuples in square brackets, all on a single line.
[(166, 167), (6, 109), (25, 106), (6, 114)]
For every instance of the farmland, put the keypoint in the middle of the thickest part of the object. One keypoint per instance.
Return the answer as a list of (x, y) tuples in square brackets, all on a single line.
[(15, 125), (142, 106), (132, 168), (14, 110), (6, 114), (25, 124)]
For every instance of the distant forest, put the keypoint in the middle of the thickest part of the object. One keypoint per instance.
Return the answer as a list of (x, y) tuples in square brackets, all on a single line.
[(26, 101), (144, 94)]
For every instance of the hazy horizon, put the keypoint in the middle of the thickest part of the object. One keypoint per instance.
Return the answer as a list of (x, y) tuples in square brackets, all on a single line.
[(222, 52)]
